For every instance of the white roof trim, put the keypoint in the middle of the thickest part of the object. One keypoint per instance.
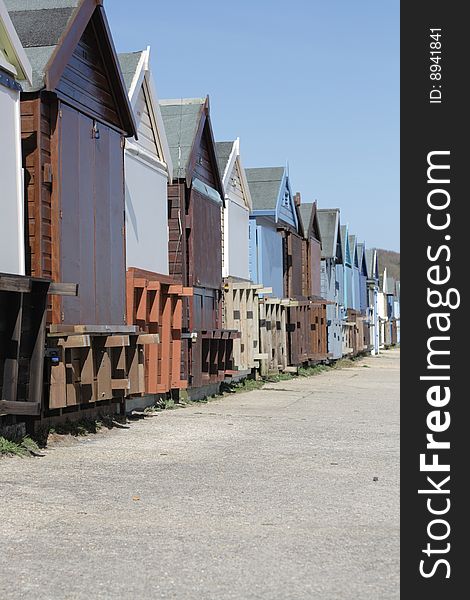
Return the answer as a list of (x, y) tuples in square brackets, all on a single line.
[(143, 77), (234, 159), (16, 62)]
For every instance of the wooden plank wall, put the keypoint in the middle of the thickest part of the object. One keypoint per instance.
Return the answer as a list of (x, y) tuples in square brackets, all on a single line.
[(177, 244), (241, 312), (155, 305), (273, 335), (85, 81), (22, 343), (36, 131), (94, 368), (307, 332), (204, 242), (293, 265)]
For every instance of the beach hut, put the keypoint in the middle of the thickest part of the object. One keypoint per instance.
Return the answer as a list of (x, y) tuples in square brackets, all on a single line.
[(332, 277), (362, 261), (23, 299), (154, 302), (390, 293), (236, 212), (347, 269), (148, 169), (355, 296), (195, 203), (75, 116), (349, 316), (274, 214), (311, 249), (14, 67), (373, 298), (396, 310)]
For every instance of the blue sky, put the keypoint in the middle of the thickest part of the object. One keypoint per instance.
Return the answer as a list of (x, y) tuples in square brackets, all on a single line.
[(312, 83)]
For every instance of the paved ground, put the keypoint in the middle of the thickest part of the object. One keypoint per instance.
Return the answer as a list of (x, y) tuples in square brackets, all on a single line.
[(267, 495)]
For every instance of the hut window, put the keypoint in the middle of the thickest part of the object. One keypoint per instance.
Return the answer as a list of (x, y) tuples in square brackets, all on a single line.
[(286, 200)]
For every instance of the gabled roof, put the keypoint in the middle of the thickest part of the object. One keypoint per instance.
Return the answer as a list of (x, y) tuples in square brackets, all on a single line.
[(265, 185), (50, 31), (345, 245), (13, 58), (129, 62), (361, 258), (224, 152), (135, 67), (228, 158), (329, 224), (309, 217), (185, 121), (353, 250), (268, 186), (372, 264)]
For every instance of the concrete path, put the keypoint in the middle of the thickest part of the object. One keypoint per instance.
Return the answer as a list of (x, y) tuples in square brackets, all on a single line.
[(267, 495)]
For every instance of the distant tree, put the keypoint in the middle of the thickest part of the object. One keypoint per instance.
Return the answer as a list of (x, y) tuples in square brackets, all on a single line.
[(390, 260)]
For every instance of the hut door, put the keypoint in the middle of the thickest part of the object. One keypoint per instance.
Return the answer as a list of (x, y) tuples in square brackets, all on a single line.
[(91, 216)]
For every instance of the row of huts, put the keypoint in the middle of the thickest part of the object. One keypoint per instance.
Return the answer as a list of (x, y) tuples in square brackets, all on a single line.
[(138, 255)]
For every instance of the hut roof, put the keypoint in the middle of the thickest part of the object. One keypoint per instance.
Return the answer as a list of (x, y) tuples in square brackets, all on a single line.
[(223, 151), (50, 31), (13, 58), (265, 183), (181, 118), (328, 220), (40, 25), (129, 62)]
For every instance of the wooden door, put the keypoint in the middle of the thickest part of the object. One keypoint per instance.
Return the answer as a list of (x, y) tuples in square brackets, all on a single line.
[(91, 215)]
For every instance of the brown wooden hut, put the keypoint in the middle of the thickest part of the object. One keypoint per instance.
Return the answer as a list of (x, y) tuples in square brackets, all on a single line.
[(195, 200), (74, 117)]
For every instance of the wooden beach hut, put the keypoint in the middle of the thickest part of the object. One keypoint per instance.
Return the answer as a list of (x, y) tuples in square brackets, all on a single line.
[(154, 300), (75, 116), (195, 203), (236, 212), (14, 67), (349, 318), (373, 298), (332, 278), (148, 169), (274, 213), (311, 249), (23, 299), (362, 261), (309, 320), (355, 296)]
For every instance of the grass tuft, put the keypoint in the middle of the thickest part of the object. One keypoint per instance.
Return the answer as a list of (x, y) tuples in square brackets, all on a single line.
[(9, 448)]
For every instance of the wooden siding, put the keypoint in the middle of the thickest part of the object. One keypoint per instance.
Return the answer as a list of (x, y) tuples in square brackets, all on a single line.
[(85, 81), (22, 343), (205, 166), (145, 129), (177, 243), (286, 210), (235, 189), (204, 242), (293, 266), (36, 131), (253, 251), (155, 304), (92, 250), (315, 267)]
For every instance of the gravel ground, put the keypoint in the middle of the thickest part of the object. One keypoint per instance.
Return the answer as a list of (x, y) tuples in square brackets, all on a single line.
[(269, 495)]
